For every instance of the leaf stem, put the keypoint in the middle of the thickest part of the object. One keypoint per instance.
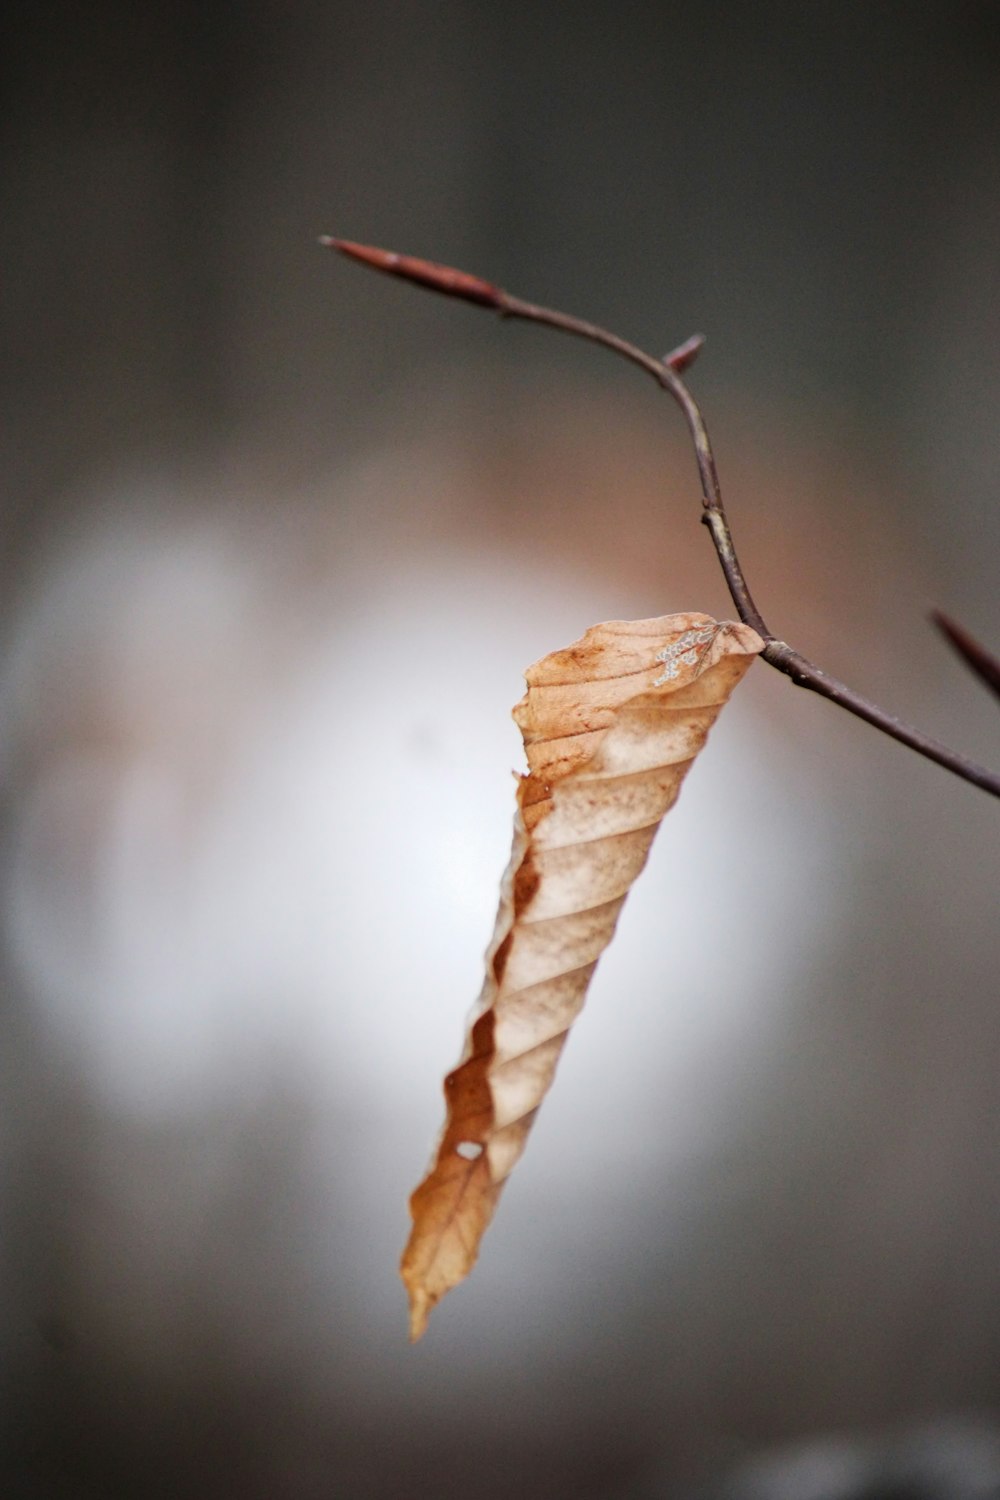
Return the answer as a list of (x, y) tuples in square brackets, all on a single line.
[(666, 373)]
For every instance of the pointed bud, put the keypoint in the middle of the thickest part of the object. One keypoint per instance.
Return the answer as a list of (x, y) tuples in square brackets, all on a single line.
[(685, 354), (439, 278)]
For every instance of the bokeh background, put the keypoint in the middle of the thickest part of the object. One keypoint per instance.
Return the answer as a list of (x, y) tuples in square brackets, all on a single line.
[(279, 537)]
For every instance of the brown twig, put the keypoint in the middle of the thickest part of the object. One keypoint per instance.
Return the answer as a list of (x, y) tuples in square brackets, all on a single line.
[(666, 373), (981, 662)]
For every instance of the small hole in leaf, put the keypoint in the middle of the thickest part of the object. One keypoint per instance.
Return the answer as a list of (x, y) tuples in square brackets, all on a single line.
[(469, 1149)]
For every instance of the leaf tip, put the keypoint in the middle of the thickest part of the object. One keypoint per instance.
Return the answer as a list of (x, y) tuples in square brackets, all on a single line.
[(420, 1311)]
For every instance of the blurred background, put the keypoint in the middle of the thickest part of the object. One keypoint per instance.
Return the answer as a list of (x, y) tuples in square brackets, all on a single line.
[(279, 537)]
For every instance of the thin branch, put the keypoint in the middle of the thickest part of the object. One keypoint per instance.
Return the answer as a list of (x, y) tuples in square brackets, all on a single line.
[(983, 663), (666, 373)]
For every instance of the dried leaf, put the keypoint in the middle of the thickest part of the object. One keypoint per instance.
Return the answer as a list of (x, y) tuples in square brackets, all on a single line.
[(610, 727)]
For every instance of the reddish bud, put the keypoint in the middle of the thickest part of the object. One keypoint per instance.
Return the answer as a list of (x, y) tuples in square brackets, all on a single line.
[(439, 278), (685, 354)]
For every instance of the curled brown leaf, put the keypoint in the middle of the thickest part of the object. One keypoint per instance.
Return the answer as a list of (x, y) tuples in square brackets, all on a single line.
[(611, 725)]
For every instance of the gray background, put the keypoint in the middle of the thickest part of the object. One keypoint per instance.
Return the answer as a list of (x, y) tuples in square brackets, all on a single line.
[(279, 537)]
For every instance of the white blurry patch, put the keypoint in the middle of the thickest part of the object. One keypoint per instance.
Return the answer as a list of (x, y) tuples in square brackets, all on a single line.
[(253, 824)]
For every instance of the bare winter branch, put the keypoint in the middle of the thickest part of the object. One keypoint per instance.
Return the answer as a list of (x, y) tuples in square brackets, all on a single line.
[(666, 372)]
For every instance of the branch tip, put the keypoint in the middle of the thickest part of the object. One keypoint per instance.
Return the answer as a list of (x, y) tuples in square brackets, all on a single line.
[(426, 273), (981, 662)]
